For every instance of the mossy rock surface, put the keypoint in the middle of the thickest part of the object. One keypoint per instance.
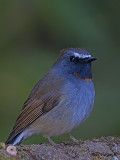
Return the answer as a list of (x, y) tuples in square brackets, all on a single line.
[(105, 148)]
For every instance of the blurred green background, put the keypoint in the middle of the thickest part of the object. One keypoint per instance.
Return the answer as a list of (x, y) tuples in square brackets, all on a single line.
[(32, 32)]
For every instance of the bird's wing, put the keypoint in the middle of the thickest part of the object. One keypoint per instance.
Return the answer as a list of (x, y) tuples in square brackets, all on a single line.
[(44, 97)]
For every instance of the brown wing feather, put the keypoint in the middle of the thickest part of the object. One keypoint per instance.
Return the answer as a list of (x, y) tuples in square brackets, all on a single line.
[(42, 99)]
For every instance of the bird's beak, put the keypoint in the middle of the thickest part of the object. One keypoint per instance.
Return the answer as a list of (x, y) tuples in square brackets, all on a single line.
[(92, 59), (87, 59)]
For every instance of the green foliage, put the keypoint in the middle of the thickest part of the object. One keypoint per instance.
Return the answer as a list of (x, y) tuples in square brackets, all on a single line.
[(31, 35)]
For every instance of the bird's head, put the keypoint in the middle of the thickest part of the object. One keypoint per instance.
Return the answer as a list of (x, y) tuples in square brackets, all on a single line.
[(76, 61)]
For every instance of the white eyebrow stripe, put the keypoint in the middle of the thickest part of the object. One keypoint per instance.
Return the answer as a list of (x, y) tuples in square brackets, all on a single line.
[(82, 55)]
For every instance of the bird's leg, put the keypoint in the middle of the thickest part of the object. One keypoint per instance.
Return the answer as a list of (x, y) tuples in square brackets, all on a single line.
[(52, 142), (73, 138)]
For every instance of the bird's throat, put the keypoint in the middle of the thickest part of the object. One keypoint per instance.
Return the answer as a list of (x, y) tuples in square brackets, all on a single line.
[(84, 79)]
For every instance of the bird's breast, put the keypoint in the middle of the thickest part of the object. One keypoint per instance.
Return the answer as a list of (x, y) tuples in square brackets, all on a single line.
[(79, 101)]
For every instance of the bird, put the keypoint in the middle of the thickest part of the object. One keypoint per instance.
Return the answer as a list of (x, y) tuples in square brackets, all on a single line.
[(61, 101)]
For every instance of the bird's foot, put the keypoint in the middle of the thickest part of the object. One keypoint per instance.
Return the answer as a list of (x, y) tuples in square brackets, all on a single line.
[(73, 138), (53, 143)]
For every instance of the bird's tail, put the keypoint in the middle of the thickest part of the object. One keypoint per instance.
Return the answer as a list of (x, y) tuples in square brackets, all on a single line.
[(15, 139)]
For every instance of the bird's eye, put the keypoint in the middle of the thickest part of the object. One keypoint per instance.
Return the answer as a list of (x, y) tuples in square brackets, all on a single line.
[(72, 59)]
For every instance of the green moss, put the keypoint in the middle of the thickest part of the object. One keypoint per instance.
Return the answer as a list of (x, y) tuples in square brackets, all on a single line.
[(2, 145)]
